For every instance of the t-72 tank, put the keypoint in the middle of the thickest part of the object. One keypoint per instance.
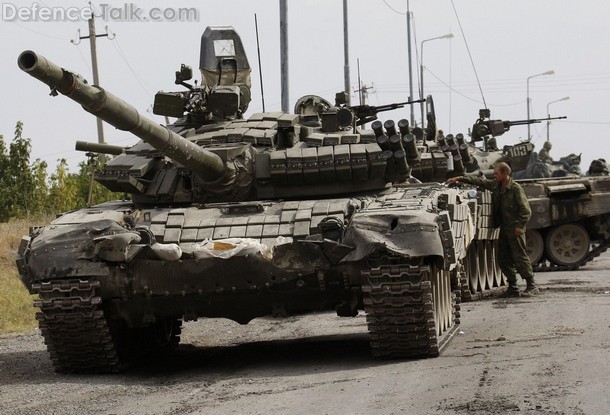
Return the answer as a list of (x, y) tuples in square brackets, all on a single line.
[(275, 214), (570, 223)]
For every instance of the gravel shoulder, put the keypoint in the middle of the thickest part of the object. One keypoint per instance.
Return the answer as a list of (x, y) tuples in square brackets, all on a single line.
[(548, 354)]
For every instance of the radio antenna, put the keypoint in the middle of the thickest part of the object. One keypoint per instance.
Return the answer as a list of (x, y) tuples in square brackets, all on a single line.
[(260, 69)]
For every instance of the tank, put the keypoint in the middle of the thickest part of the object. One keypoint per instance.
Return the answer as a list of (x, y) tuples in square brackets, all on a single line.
[(570, 224), (277, 214), (570, 213), (570, 220)]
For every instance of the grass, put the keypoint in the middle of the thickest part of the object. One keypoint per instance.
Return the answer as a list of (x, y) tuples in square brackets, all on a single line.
[(17, 314)]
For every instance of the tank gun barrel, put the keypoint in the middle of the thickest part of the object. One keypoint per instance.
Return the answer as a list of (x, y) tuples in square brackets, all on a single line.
[(368, 113), (99, 148), (533, 121), (95, 100)]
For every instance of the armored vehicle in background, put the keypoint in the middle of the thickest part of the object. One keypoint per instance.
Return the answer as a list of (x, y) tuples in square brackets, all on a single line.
[(570, 223), (275, 214)]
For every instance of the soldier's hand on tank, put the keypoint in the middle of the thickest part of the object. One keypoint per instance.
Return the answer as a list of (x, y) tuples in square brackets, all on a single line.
[(453, 180), (518, 231)]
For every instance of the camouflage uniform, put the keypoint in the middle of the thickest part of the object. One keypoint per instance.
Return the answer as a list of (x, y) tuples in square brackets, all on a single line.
[(545, 154), (510, 210)]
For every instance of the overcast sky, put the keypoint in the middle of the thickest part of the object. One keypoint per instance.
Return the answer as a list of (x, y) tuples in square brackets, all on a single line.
[(509, 41)]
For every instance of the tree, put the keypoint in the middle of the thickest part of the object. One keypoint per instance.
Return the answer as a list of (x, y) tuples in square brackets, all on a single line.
[(21, 177), (63, 189), (5, 189), (40, 194), (26, 189)]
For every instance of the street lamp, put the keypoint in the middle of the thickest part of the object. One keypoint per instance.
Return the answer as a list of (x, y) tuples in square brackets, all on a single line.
[(421, 71), (548, 115), (551, 72)]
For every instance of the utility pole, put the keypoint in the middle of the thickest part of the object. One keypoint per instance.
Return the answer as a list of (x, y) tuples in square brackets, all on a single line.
[(363, 92), (96, 78), (410, 65), (346, 54), (284, 53)]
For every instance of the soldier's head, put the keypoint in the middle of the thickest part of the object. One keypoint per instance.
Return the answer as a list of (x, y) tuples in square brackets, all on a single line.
[(502, 172), (547, 145), (492, 144)]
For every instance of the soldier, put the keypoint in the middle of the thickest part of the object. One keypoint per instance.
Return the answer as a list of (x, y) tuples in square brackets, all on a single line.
[(544, 154), (598, 167), (511, 211)]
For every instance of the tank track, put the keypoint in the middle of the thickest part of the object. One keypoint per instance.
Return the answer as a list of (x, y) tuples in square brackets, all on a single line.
[(400, 312), (547, 266), (75, 328)]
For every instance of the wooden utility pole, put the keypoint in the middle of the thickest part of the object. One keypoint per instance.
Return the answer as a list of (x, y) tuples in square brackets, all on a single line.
[(96, 77)]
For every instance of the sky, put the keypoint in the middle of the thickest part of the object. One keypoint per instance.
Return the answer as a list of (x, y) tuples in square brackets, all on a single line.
[(497, 44)]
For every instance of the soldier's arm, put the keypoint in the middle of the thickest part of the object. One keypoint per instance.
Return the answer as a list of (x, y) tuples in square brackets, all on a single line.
[(478, 181), (525, 212)]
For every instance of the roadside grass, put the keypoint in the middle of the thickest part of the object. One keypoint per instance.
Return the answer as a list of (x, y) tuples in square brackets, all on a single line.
[(17, 314)]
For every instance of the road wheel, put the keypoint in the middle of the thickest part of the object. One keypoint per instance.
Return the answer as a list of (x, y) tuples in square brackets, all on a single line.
[(482, 263), (489, 263), (567, 245), (472, 268), (498, 277), (534, 245)]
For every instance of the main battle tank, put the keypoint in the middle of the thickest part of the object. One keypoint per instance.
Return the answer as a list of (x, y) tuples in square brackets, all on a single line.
[(276, 214), (570, 223)]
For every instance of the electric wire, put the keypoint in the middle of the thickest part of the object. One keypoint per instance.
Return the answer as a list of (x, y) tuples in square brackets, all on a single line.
[(469, 54), (119, 50)]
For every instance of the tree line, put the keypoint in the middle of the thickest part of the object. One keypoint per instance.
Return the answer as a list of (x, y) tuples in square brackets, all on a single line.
[(28, 190)]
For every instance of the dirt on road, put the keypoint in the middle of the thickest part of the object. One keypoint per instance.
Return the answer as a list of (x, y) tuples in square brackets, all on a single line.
[(548, 354)]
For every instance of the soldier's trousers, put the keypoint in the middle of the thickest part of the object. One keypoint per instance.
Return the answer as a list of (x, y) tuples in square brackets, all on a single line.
[(512, 256)]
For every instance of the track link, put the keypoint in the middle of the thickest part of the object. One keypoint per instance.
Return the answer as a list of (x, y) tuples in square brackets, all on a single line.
[(75, 328), (398, 300)]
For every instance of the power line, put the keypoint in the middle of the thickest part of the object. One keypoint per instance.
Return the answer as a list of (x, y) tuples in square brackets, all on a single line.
[(393, 9), (119, 50), (39, 33)]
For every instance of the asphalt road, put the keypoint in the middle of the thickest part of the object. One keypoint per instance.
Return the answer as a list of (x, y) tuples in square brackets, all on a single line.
[(544, 355)]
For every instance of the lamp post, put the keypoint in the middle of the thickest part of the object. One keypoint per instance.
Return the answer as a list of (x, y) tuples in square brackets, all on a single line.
[(548, 115), (550, 72), (421, 71)]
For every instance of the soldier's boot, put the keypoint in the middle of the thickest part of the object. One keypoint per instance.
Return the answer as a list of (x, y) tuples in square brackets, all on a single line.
[(511, 292), (532, 288)]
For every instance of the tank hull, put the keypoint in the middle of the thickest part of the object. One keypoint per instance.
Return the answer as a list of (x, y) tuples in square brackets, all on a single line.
[(570, 223), (136, 274)]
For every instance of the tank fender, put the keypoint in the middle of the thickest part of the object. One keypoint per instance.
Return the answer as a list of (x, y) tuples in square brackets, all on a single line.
[(400, 232)]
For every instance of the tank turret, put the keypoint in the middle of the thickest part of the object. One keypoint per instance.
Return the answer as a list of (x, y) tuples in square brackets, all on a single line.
[(212, 155)]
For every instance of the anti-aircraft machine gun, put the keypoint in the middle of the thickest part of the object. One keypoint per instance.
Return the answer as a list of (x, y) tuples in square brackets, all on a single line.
[(485, 129)]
